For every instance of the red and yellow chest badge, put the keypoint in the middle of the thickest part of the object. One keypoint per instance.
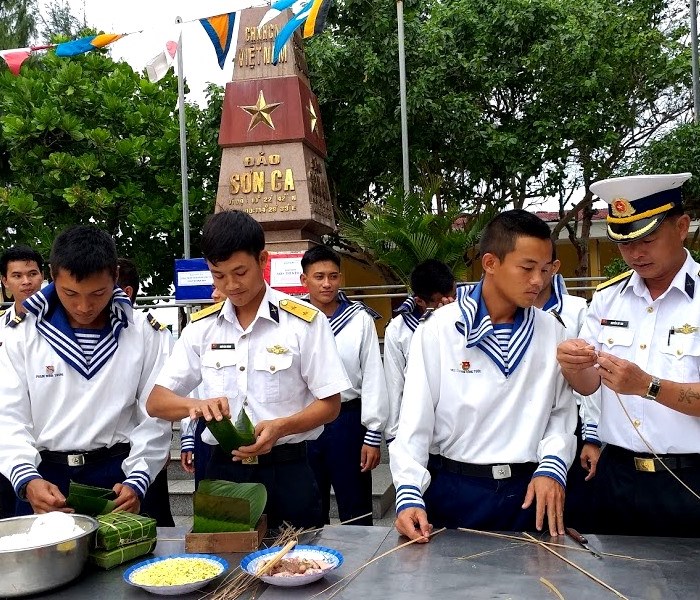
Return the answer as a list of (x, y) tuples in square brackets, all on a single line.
[(621, 207), (465, 365)]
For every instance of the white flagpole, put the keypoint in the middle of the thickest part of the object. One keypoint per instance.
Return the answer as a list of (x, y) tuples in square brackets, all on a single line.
[(402, 93), (183, 148)]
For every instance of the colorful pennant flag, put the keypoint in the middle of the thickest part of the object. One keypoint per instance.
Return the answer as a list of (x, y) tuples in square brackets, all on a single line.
[(310, 13), (220, 32), (82, 45), (15, 57), (159, 65)]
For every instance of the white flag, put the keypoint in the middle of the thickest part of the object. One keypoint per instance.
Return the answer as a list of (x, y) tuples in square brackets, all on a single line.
[(158, 66)]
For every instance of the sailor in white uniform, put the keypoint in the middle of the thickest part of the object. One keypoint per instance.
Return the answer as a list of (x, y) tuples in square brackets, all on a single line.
[(347, 451), (21, 269), (485, 435), (432, 282), (77, 369), (640, 340), (264, 353)]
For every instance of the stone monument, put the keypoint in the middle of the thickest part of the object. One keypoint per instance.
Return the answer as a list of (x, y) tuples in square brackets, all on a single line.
[(273, 162)]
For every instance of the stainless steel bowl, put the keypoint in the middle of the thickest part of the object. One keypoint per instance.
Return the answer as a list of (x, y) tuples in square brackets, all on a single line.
[(41, 568)]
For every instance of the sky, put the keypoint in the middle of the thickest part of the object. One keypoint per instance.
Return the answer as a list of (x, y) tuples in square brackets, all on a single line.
[(156, 18)]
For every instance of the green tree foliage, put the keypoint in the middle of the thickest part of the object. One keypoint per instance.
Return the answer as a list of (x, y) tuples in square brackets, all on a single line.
[(17, 23), (88, 140), (60, 22), (405, 230), (509, 101)]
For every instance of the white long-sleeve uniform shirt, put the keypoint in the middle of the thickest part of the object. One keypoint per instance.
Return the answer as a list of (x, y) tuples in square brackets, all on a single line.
[(572, 311), (459, 404), (624, 321), (48, 405), (358, 346), (276, 367)]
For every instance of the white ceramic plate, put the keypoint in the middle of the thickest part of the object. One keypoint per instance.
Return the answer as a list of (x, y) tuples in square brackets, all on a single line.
[(332, 557), (175, 590)]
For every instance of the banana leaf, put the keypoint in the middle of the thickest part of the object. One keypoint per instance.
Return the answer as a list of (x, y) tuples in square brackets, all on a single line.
[(232, 436), (221, 506), (90, 500)]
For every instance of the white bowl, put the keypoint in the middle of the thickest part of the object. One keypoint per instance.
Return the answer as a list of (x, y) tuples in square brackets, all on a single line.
[(175, 590), (251, 563)]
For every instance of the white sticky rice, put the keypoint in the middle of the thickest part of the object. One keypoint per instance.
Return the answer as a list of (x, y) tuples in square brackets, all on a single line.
[(51, 528)]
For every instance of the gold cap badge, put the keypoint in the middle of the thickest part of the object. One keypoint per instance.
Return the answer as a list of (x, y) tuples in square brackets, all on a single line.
[(621, 207)]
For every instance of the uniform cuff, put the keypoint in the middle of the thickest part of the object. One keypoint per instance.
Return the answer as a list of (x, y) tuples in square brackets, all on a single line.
[(21, 475), (408, 496), (186, 444), (139, 482), (553, 467), (389, 440), (373, 438), (589, 435)]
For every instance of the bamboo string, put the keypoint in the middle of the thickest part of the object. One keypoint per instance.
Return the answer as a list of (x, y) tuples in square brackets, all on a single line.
[(575, 566), (555, 545), (369, 514), (651, 450), (375, 559), (551, 586), (486, 552)]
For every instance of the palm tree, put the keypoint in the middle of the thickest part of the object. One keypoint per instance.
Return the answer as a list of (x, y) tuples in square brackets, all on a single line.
[(405, 230)]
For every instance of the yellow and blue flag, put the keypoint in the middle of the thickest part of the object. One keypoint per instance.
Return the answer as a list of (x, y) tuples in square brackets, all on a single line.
[(310, 13), (220, 32), (85, 44)]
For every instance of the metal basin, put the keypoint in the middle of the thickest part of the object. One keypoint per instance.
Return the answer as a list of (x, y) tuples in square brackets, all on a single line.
[(41, 568)]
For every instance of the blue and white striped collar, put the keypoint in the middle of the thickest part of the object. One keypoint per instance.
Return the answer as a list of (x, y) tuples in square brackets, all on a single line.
[(410, 312), (556, 300), (52, 323), (478, 329)]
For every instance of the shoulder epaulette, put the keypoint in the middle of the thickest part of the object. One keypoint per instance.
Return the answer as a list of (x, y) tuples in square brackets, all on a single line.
[(426, 315), (614, 280), (155, 324), (2, 312), (17, 319), (305, 313), (206, 312), (371, 312)]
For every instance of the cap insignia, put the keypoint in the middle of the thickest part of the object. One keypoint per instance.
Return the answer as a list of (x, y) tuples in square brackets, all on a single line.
[(621, 207)]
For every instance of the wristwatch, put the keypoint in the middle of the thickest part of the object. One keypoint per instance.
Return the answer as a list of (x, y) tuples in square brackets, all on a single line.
[(653, 389)]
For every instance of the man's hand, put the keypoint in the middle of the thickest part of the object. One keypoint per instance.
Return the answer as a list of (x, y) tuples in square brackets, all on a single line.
[(127, 499), (46, 497), (413, 523), (590, 454), (266, 435), (187, 462), (550, 500), (369, 458), (622, 376), (211, 409), (576, 355)]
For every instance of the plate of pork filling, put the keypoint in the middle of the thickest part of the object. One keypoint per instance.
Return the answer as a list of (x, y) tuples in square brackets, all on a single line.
[(302, 565)]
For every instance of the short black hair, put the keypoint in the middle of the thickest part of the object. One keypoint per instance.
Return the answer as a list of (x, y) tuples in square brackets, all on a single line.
[(84, 250), (319, 254), (128, 276), (430, 277), (231, 231), (500, 235), (21, 253)]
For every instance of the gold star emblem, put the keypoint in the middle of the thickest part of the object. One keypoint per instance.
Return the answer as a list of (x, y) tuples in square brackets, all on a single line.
[(621, 207), (314, 118), (261, 112)]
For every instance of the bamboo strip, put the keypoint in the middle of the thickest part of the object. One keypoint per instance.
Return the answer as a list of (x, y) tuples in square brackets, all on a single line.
[(551, 586), (376, 558), (264, 568), (575, 566), (486, 552)]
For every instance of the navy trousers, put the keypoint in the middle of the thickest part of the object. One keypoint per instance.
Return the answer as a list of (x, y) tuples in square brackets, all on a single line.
[(578, 509), (453, 500), (8, 499), (335, 460), (156, 503), (202, 453), (292, 493)]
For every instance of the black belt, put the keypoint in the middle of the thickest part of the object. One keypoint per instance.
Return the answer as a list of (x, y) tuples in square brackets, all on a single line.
[(283, 453), (78, 458), (502, 471), (354, 404), (649, 464)]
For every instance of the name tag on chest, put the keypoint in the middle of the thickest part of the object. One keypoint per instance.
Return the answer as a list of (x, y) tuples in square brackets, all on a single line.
[(614, 323), (221, 346)]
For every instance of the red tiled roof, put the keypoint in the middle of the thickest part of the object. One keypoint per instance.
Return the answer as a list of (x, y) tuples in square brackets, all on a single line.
[(553, 217)]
